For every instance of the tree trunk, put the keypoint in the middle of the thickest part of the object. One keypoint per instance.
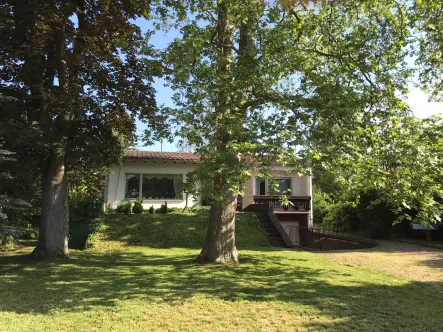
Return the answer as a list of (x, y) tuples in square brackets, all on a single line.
[(54, 223), (219, 244)]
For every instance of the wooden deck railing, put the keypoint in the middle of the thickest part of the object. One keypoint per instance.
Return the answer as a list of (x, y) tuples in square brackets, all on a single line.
[(299, 203)]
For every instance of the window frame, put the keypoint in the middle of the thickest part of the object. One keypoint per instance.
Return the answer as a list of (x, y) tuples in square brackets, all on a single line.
[(266, 180), (140, 192), (126, 185)]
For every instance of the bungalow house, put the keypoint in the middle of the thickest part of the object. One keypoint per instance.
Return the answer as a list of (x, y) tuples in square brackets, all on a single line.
[(156, 177)]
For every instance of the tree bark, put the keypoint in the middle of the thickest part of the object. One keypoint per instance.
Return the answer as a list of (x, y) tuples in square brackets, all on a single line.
[(54, 223), (219, 246)]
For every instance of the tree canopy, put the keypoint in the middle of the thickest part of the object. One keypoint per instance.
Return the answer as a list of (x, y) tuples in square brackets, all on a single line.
[(297, 83), (76, 68)]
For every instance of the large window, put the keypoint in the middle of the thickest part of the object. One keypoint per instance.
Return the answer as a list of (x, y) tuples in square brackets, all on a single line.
[(265, 187), (132, 185), (158, 186), (154, 186)]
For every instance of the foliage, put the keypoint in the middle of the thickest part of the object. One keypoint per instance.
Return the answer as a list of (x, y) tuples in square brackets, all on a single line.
[(138, 207), (428, 55), (369, 216), (95, 227), (262, 82), (320, 204), (163, 209), (402, 162), (125, 208), (83, 207), (79, 82), (282, 94), (10, 229), (8, 235), (377, 216), (151, 209)]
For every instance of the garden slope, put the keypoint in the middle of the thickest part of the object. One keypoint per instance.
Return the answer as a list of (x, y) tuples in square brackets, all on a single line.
[(174, 230)]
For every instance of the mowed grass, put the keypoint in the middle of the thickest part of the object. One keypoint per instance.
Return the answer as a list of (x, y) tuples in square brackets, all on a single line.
[(138, 279)]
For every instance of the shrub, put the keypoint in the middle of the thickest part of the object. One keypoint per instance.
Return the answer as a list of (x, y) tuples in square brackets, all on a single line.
[(82, 208), (369, 217), (201, 209), (94, 228), (321, 204), (8, 235), (163, 209), (378, 216), (151, 209), (138, 207), (125, 208)]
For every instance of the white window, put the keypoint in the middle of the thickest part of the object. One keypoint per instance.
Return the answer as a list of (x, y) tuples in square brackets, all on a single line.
[(154, 186), (161, 186), (266, 187), (132, 186)]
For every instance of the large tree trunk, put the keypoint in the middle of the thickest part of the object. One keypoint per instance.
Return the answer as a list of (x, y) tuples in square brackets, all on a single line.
[(219, 245), (54, 223)]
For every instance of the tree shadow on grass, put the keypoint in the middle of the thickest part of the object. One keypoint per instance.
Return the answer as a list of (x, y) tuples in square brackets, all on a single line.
[(104, 279), (436, 263)]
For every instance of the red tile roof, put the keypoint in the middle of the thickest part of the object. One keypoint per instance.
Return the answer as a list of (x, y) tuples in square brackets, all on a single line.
[(163, 156)]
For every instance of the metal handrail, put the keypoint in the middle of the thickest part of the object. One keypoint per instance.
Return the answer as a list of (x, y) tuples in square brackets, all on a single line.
[(321, 233)]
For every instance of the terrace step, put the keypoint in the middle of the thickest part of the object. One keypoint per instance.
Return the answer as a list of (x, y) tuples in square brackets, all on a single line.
[(271, 233)]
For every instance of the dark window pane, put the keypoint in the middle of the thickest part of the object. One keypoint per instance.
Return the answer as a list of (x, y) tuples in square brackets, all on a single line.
[(132, 185), (284, 186), (162, 186), (260, 187)]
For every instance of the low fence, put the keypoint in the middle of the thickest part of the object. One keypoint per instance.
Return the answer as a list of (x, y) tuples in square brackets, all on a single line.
[(319, 239)]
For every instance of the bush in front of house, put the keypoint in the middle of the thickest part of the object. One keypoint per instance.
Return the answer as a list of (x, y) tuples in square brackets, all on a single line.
[(163, 209), (151, 209), (138, 207), (125, 208)]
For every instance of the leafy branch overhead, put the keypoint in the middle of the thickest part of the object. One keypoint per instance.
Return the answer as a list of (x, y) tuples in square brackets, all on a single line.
[(300, 83)]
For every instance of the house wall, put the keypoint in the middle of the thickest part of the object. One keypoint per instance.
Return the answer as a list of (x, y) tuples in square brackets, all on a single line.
[(115, 191), (301, 185), (116, 182)]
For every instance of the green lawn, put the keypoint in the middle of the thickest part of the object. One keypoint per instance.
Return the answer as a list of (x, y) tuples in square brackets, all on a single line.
[(139, 279)]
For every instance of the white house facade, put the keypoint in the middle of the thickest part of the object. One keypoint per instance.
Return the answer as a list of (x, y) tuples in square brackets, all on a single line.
[(158, 177)]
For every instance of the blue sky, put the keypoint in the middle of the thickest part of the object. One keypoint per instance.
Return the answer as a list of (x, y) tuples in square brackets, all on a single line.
[(417, 99)]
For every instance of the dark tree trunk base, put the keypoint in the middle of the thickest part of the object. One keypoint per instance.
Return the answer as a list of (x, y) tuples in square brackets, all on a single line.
[(39, 253), (231, 257), (219, 245)]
